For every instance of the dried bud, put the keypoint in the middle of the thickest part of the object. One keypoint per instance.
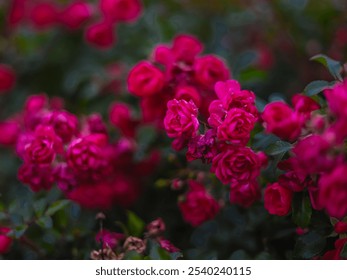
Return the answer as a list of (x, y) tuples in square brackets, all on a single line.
[(134, 244)]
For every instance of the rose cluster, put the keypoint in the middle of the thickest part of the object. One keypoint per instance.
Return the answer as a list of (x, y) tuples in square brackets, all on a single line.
[(223, 141), (101, 18), (180, 72), (77, 154), (317, 161), (114, 245), (316, 165)]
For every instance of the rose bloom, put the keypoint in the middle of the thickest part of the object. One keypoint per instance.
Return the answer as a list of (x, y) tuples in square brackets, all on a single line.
[(244, 194), (313, 155), (16, 13), (101, 35), (121, 10), (304, 105), (86, 154), (333, 192), (198, 206), (210, 69), (337, 98), (64, 124), (145, 79), (120, 117), (44, 146), (236, 127), (38, 177), (186, 48), (108, 238), (240, 164), (282, 121), (188, 93), (44, 15), (168, 246), (9, 131), (181, 118), (277, 199), (7, 78), (76, 14), (5, 241), (231, 95)]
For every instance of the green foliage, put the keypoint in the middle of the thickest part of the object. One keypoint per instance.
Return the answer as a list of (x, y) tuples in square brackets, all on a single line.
[(135, 225), (301, 210), (309, 245), (316, 87), (334, 67)]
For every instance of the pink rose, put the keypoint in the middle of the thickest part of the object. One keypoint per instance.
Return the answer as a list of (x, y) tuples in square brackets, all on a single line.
[(156, 228), (92, 195), (38, 177), (337, 98), (44, 15), (76, 14), (121, 10), (86, 154), (232, 96), (109, 239), (333, 192), (7, 78), (154, 109), (181, 119), (340, 227), (240, 164), (277, 199), (313, 155), (5, 241), (282, 121), (186, 48), (236, 127), (120, 117), (188, 93), (145, 79), (9, 132), (101, 35), (304, 105), (64, 124), (244, 194), (44, 146), (198, 206), (16, 13), (168, 246), (210, 69)]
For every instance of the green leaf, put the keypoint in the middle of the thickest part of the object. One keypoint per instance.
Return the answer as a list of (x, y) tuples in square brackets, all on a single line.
[(135, 225), (278, 147), (334, 67), (18, 231), (56, 206), (316, 87), (40, 206), (309, 245), (45, 222), (302, 210)]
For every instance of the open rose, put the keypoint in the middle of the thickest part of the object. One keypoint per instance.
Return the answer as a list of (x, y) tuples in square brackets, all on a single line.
[(181, 118), (236, 127), (236, 163), (277, 199), (198, 206), (145, 79)]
